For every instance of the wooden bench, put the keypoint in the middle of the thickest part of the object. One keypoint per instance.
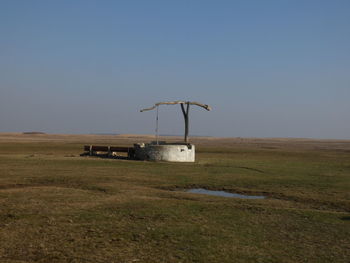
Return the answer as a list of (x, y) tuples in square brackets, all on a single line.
[(109, 150)]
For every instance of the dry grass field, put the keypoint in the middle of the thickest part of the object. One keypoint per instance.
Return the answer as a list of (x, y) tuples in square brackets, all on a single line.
[(56, 206)]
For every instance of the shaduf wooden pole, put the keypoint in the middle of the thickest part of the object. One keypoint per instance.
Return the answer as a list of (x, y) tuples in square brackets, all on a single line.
[(185, 111)]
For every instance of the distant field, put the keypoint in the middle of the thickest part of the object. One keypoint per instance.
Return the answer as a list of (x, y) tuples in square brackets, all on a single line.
[(56, 206)]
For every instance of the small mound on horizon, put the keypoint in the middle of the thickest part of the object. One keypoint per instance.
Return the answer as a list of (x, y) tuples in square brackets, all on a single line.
[(33, 133)]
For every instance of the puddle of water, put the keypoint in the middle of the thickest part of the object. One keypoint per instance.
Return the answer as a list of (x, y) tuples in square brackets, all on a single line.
[(223, 194)]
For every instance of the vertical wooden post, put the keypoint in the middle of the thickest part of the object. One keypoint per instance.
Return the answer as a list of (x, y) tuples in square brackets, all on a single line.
[(185, 113), (90, 151)]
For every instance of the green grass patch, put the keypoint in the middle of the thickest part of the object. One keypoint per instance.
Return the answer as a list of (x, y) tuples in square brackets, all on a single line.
[(57, 206)]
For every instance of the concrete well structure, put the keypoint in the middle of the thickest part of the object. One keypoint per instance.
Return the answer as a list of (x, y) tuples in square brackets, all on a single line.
[(162, 151)]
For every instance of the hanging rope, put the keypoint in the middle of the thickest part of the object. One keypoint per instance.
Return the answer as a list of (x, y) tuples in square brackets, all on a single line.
[(157, 125)]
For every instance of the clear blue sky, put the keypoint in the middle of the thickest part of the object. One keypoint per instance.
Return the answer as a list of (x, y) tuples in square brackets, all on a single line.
[(268, 68)]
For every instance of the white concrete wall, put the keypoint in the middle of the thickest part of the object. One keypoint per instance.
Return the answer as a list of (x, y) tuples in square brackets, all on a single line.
[(165, 152)]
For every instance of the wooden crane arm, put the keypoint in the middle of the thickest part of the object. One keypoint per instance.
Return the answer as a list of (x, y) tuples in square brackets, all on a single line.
[(205, 106)]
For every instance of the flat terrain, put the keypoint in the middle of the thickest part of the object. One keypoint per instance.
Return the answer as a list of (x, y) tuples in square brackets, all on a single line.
[(56, 206)]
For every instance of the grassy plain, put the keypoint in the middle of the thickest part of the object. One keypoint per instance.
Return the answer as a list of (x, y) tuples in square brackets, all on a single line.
[(56, 206)]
